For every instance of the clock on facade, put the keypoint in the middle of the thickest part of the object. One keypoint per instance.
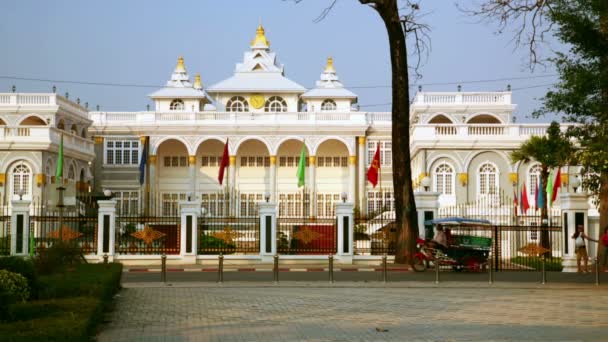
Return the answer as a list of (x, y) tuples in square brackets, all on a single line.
[(257, 101)]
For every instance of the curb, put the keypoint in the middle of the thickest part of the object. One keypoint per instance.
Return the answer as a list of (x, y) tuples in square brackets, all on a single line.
[(252, 269)]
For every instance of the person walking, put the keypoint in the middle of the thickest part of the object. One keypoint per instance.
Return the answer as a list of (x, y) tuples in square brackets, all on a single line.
[(581, 248), (604, 240)]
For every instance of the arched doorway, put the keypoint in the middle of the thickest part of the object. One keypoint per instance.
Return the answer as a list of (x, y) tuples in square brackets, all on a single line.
[(332, 176), (294, 200), (172, 179), (252, 175)]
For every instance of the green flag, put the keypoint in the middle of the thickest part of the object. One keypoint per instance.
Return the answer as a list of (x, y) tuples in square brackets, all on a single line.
[(59, 170), (301, 167), (550, 182)]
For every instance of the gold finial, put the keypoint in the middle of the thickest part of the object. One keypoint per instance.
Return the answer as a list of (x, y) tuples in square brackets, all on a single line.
[(330, 65), (197, 82), (260, 37), (180, 65)]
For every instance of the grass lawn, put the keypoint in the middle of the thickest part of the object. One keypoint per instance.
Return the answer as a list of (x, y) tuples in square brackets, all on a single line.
[(551, 264), (69, 307)]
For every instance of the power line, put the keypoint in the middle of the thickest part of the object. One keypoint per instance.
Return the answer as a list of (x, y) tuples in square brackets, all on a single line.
[(109, 84)]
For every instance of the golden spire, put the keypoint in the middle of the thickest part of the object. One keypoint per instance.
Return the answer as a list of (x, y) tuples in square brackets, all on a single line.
[(180, 65), (260, 37), (197, 82), (330, 65)]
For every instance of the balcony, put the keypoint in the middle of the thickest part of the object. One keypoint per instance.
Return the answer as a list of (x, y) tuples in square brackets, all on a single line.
[(230, 118), (460, 98), (30, 101), (475, 131), (42, 137)]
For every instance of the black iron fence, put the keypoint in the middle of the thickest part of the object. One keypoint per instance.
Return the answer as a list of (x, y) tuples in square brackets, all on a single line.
[(5, 232), (50, 225), (375, 234), (240, 235), (307, 236), (147, 235)]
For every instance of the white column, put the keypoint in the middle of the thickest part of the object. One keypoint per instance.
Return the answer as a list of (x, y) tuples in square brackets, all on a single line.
[(362, 177), (352, 178), (344, 214), (192, 174), (273, 178), (312, 171), (571, 205), (20, 227), (189, 211), (268, 230), (426, 203), (106, 228), (232, 188), (152, 165)]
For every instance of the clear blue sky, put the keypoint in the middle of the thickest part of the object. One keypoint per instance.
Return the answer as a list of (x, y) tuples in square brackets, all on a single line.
[(138, 42)]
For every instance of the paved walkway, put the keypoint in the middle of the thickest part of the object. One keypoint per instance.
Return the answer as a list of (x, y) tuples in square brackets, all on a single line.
[(406, 311)]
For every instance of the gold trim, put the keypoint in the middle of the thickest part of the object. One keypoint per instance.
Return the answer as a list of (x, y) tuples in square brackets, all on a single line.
[(2, 178), (352, 160), (232, 160), (361, 140), (40, 179), (98, 140), (312, 160), (142, 139), (513, 177), (564, 178), (260, 37), (197, 82), (330, 65), (257, 101), (273, 160), (152, 158), (191, 160), (463, 178)]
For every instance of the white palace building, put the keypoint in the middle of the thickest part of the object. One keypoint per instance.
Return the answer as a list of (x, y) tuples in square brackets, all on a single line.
[(460, 144)]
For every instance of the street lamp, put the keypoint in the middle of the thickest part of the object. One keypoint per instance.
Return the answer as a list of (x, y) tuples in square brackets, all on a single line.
[(344, 196), (426, 183), (267, 196), (107, 192), (203, 211), (20, 193), (575, 182)]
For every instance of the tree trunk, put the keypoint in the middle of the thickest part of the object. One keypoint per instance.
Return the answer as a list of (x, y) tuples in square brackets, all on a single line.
[(405, 206), (603, 191)]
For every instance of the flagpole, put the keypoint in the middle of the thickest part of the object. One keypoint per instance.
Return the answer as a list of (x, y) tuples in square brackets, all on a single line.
[(380, 181)]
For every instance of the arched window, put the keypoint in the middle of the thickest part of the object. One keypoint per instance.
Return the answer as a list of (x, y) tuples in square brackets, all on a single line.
[(488, 179), (177, 105), (328, 105), (237, 104), (275, 104), (71, 173), (444, 179), (533, 178), (61, 124), (22, 176)]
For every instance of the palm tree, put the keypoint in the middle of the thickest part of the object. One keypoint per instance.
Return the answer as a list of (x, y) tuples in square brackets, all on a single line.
[(551, 151)]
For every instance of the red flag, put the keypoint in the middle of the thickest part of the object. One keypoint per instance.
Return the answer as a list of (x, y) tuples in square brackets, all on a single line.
[(374, 168), (223, 163), (556, 185), (525, 205)]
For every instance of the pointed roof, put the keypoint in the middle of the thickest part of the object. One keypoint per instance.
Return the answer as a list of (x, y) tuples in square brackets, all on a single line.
[(260, 71), (179, 85), (329, 85)]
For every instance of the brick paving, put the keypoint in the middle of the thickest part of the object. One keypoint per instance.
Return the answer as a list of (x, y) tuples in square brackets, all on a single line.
[(357, 312)]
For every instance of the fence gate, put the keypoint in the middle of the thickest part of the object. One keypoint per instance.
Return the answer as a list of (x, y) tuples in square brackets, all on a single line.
[(307, 236), (5, 231), (147, 235), (229, 235)]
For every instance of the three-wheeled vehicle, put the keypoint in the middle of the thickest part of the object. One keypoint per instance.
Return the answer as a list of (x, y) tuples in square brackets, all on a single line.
[(464, 251)]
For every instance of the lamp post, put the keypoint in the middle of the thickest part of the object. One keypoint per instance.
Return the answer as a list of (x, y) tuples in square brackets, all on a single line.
[(267, 196), (426, 183), (20, 193), (575, 182), (344, 196)]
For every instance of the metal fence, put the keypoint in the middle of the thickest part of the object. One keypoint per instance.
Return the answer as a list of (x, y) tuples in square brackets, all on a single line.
[(147, 235), (375, 234), (50, 225), (307, 236), (239, 235), (5, 231)]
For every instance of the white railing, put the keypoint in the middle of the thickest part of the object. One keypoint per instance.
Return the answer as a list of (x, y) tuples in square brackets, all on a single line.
[(474, 98), (189, 118), (465, 131), (5, 99), (41, 99)]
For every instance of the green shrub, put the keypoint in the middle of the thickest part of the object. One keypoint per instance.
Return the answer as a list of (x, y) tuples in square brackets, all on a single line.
[(551, 264), (23, 266), (57, 257), (95, 280), (6, 300), (15, 284), (211, 243)]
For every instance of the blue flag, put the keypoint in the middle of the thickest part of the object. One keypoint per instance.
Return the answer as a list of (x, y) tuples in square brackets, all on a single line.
[(142, 163), (540, 198)]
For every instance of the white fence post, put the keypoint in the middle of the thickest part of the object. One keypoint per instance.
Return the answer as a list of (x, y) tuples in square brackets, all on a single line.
[(427, 205), (189, 211), (346, 222), (575, 208), (106, 229), (268, 230), (20, 227)]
